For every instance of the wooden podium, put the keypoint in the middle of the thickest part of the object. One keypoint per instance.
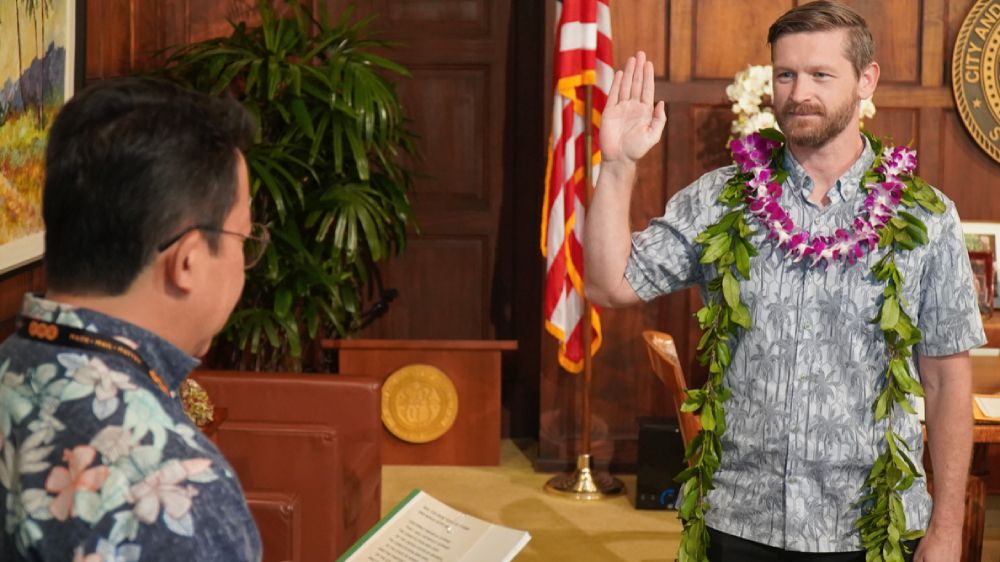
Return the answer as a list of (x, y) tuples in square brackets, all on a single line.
[(473, 366)]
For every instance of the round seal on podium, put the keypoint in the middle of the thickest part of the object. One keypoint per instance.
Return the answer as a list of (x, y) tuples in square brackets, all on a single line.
[(975, 77), (419, 403)]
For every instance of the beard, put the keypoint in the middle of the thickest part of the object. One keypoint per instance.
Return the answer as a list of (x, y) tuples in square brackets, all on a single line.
[(815, 134)]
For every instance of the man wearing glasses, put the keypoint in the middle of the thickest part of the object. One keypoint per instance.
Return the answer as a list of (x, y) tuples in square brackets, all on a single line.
[(148, 232)]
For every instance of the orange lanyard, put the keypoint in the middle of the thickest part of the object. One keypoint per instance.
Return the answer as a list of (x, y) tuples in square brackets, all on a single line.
[(68, 336)]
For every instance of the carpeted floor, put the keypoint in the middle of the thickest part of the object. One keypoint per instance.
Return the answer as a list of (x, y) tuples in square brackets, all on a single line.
[(562, 529)]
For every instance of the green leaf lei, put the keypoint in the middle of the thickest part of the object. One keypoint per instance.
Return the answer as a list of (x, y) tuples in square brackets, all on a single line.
[(726, 245)]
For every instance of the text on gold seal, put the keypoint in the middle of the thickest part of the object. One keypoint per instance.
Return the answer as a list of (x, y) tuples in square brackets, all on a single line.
[(419, 403), (975, 77)]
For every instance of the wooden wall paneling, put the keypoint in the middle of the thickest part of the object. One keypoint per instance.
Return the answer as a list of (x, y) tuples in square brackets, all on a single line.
[(453, 18), (731, 35), (440, 282), (932, 60), (970, 177), (679, 157), (681, 40), (623, 384), (889, 95), (895, 25), (362, 8), (955, 15), (151, 22), (122, 35), (13, 286), (710, 134), (205, 20), (169, 23), (455, 101), (930, 145), (640, 25), (118, 47), (897, 126), (458, 103), (450, 110), (649, 195), (108, 38)]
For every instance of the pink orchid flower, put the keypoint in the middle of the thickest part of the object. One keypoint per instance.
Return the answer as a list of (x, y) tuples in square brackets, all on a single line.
[(67, 482), (164, 488), (78, 556)]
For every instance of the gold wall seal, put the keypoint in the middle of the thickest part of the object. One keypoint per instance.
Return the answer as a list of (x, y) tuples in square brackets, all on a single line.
[(974, 75), (419, 403)]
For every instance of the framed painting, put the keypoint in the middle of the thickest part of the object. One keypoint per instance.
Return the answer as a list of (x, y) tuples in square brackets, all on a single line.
[(984, 237), (983, 280), (41, 65)]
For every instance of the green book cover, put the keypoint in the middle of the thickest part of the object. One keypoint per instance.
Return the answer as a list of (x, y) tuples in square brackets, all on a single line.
[(378, 525)]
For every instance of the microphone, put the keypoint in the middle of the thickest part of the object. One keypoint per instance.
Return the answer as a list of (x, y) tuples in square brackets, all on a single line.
[(378, 308)]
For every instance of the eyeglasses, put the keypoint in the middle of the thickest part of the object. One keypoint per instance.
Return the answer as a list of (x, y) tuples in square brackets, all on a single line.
[(254, 244)]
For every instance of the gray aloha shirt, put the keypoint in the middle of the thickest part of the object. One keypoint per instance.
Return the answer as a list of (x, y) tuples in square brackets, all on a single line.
[(801, 435)]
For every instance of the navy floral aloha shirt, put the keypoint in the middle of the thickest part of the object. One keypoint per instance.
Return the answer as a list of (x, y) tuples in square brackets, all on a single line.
[(97, 464)]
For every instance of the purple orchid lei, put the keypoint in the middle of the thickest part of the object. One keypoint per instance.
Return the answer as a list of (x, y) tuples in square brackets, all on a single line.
[(753, 155)]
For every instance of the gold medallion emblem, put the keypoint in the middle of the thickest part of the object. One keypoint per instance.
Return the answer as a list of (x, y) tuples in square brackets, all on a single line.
[(419, 403), (975, 77)]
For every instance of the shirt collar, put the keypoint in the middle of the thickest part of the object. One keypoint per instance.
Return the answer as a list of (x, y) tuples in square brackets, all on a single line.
[(163, 357), (845, 188)]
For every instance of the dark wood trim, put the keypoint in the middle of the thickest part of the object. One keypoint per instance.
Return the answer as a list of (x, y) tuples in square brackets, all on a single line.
[(464, 345)]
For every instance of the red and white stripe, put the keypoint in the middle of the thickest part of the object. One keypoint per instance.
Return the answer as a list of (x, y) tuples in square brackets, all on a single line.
[(582, 58)]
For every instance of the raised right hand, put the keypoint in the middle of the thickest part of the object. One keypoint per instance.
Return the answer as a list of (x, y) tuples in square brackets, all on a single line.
[(631, 124)]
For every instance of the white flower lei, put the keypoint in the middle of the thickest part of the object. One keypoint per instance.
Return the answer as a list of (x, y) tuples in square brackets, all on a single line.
[(749, 91)]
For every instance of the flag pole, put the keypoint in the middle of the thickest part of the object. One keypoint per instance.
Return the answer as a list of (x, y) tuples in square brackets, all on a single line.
[(584, 483)]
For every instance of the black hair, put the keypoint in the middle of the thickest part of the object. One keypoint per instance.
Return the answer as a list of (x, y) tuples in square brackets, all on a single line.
[(130, 163)]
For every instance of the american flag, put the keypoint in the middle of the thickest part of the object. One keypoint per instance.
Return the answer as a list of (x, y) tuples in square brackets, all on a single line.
[(582, 58)]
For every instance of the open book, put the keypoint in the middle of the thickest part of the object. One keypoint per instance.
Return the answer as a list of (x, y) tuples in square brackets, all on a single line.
[(987, 407), (422, 528)]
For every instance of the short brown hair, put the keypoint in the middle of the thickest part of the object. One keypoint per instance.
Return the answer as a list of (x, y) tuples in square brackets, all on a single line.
[(825, 15)]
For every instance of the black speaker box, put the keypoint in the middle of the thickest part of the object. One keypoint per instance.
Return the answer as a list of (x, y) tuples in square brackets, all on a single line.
[(661, 458)]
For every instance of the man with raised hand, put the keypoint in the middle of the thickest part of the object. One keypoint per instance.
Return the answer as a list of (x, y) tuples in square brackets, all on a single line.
[(793, 280)]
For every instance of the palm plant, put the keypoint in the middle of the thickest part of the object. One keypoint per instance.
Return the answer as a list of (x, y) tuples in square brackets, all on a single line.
[(326, 172)]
